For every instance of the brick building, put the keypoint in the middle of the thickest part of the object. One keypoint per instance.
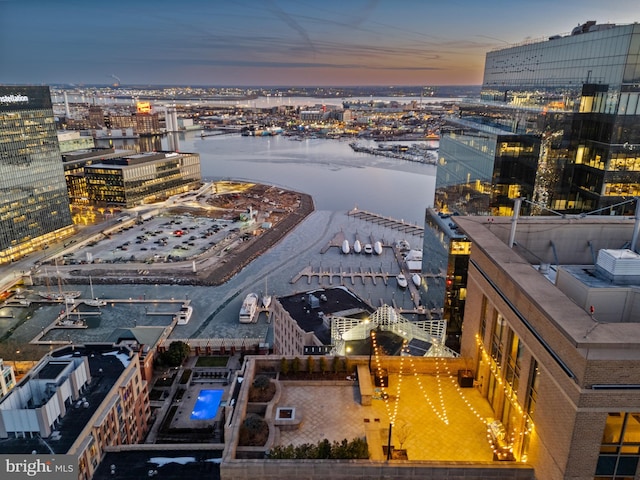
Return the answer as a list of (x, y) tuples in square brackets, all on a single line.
[(77, 401), (552, 327)]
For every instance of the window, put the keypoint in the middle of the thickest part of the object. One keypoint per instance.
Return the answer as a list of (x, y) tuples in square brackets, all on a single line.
[(512, 367), (532, 389), (620, 448), (483, 319), (499, 332)]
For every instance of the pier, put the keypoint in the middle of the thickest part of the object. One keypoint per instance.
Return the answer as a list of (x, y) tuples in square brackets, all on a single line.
[(352, 276), (387, 222)]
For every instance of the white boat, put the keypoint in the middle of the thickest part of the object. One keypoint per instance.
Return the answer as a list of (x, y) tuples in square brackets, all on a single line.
[(402, 280), (345, 246), (94, 301), (368, 249), (249, 309), (266, 298), (184, 315), (416, 279), (266, 301), (357, 246), (377, 247), (403, 246), (60, 295)]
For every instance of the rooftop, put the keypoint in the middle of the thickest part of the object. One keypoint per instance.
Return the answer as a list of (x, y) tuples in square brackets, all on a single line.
[(309, 308), (553, 259), (106, 365)]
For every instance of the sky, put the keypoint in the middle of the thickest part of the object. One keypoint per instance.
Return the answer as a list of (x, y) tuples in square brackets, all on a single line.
[(276, 42)]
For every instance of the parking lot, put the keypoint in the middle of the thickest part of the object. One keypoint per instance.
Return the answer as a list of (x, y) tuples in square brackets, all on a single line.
[(161, 239)]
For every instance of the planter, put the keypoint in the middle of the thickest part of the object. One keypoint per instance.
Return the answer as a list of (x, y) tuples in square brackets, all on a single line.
[(465, 378)]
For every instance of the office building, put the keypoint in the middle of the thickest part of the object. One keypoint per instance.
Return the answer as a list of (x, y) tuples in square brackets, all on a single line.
[(78, 400), (141, 178), (34, 205), (557, 122), (551, 328)]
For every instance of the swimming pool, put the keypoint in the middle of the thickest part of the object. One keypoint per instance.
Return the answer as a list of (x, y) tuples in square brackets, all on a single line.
[(207, 404)]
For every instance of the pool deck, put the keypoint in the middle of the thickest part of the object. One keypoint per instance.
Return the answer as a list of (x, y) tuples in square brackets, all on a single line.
[(182, 418)]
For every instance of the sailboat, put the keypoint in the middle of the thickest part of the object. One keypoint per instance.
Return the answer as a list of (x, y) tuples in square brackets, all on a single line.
[(94, 301), (60, 295), (266, 298)]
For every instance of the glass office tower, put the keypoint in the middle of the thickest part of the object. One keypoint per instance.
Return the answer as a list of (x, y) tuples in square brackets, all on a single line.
[(34, 204), (577, 97)]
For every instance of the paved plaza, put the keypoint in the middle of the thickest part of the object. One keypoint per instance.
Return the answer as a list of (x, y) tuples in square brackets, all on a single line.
[(451, 429)]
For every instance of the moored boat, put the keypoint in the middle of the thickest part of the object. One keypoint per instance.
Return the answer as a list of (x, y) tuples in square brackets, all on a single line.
[(345, 246), (266, 298), (403, 246), (184, 315), (357, 246), (94, 301), (377, 247), (248, 309), (368, 249), (416, 279), (402, 280)]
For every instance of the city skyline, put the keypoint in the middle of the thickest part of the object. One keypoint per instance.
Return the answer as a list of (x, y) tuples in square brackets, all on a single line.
[(274, 43)]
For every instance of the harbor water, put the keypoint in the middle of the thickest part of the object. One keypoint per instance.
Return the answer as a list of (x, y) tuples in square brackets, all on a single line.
[(339, 180)]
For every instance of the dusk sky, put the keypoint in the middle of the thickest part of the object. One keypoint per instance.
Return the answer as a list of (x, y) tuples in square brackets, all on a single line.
[(276, 42)]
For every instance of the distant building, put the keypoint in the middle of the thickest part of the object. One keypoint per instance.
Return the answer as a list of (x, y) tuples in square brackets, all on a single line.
[(79, 400), (312, 115), (74, 164), (70, 141), (96, 117), (551, 326), (34, 205), (141, 178), (557, 122)]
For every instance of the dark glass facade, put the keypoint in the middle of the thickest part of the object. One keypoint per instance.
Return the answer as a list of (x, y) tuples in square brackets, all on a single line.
[(577, 98), (34, 204), (142, 178)]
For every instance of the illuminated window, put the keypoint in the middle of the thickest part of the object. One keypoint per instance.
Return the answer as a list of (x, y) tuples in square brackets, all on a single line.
[(620, 448), (532, 389)]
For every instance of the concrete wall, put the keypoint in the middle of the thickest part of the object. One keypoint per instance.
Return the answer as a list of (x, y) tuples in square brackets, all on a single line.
[(367, 470)]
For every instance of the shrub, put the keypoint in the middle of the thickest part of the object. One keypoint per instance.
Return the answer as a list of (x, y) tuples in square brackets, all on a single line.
[(254, 431), (310, 364), (335, 366), (323, 365), (284, 366), (355, 449), (261, 382), (295, 365)]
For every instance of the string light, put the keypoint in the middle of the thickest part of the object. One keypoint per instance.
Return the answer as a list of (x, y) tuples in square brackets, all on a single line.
[(509, 394), (440, 409)]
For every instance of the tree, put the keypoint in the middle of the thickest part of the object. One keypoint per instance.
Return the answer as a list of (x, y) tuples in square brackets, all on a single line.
[(336, 365), (323, 365), (402, 431), (284, 366), (295, 365), (261, 382), (176, 354), (310, 364)]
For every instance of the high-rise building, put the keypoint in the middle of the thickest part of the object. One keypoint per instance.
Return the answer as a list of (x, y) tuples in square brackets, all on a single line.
[(34, 204), (552, 335), (557, 122)]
